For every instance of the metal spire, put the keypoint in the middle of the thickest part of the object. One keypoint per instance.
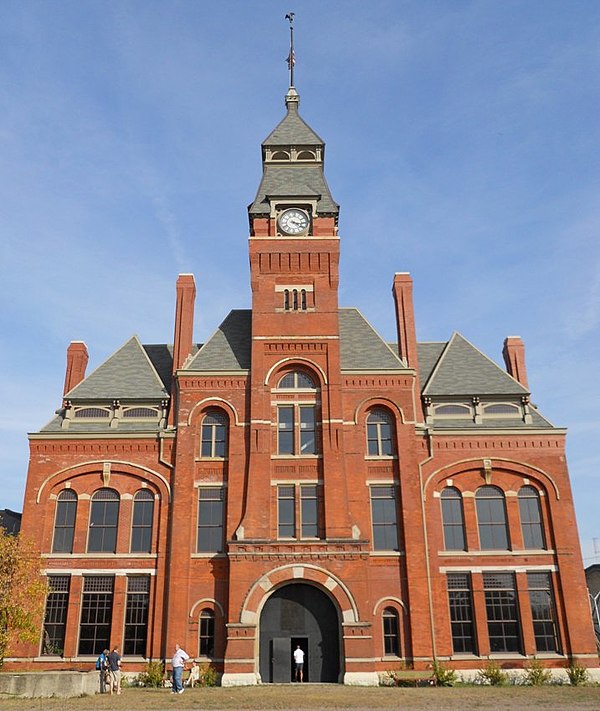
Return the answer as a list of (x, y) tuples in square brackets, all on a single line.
[(291, 58)]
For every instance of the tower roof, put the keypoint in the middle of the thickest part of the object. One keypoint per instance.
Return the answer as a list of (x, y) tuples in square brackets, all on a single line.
[(292, 129)]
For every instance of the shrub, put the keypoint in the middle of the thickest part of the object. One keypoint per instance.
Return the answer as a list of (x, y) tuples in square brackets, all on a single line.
[(492, 674), (443, 676), (536, 674), (152, 676), (208, 675), (578, 675)]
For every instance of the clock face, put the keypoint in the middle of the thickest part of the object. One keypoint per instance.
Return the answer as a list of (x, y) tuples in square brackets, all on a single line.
[(293, 221)]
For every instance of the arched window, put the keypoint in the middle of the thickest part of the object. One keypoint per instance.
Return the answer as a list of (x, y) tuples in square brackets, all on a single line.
[(391, 632), (104, 518), (379, 434), (280, 155), (306, 155), (297, 380), (531, 518), (64, 522), (206, 634), (141, 522), (453, 520), (214, 434), (491, 518)]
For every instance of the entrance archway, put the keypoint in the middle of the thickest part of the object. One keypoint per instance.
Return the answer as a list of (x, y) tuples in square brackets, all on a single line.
[(299, 614)]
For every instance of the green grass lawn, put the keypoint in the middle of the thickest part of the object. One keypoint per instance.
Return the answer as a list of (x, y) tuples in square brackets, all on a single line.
[(328, 696)]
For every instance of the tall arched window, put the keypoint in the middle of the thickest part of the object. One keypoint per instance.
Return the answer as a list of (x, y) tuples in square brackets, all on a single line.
[(491, 518), (206, 634), (214, 434), (64, 522), (379, 433), (453, 519), (297, 424), (104, 518), (141, 521), (391, 632), (531, 518)]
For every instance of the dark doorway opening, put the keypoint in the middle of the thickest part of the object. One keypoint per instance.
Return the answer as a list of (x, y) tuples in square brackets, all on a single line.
[(299, 614)]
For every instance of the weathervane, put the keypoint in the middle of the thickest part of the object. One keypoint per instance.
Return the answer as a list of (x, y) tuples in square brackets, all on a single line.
[(291, 58)]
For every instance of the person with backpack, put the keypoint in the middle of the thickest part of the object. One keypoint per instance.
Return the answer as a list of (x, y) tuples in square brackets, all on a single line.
[(102, 667)]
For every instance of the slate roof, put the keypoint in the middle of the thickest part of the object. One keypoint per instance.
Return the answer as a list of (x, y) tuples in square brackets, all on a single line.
[(128, 374), (292, 130), (462, 369), (449, 370), (300, 181)]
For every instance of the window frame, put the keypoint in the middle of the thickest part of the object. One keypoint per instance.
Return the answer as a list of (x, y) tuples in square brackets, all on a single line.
[(206, 633), (137, 609), (502, 600), (390, 620), (375, 428), (55, 615), (218, 435), (449, 511), (97, 609), (215, 529), (461, 613), (70, 500), (110, 530), (146, 498), (490, 526), (544, 627), (300, 503), (386, 524), (532, 528)]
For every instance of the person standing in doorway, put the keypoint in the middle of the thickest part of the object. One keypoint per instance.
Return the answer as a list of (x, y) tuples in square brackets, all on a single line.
[(114, 667), (299, 663), (180, 657)]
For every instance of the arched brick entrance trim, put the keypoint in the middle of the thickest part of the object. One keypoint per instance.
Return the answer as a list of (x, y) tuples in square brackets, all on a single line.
[(262, 588), (135, 470), (507, 465)]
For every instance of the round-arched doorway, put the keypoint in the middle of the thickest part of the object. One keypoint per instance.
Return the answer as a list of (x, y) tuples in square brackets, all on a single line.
[(299, 614)]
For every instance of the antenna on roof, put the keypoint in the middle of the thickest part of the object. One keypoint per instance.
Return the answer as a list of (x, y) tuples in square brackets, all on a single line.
[(291, 58)]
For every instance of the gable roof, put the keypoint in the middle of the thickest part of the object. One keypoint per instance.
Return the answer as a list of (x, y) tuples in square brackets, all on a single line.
[(127, 375), (229, 347), (361, 347), (462, 369)]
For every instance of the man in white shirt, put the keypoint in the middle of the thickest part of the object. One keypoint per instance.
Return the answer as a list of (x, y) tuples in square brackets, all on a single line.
[(180, 657), (299, 662)]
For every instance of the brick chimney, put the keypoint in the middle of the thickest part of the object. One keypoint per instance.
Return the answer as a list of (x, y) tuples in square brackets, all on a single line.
[(184, 319), (514, 357), (77, 360), (405, 322)]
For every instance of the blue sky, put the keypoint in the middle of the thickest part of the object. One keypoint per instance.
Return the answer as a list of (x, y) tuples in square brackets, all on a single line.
[(462, 144)]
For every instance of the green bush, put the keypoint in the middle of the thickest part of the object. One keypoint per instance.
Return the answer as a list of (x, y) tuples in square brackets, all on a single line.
[(443, 676), (152, 676), (578, 675), (536, 674), (208, 675), (493, 675)]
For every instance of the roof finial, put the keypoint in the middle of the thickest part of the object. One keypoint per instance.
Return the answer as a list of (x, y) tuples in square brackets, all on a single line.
[(291, 58)]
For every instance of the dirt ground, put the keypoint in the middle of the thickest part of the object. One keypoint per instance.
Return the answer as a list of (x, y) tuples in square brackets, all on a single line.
[(328, 696)]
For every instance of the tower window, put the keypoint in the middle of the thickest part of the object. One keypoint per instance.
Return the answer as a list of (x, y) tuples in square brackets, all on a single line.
[(379, 434), (211, 512), (391, 633), (296, 430), (206, 636), (214, 435), (384, 518), (296, 380), (280, 155), (302, 523)]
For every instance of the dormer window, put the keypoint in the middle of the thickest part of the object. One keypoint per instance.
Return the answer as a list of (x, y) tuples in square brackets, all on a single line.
[(91, 413), (453, 411), (503, 409)]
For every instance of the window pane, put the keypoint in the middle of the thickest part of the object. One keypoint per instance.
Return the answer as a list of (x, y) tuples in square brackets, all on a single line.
[(285, 424), (543, 612), (491, 518), (383, 514), (391, 636), (286, 512), (104, 516), (452, 518), (461, 613), (504, 629), (211, 512), (207, 633), (64, 526), (531, 518), (309, 511), (307, 430)]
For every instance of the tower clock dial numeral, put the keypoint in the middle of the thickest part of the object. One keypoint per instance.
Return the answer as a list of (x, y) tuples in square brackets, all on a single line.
[(293, 221)]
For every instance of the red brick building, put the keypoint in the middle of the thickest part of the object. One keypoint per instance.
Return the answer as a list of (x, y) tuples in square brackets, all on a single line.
[(298, 480)]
